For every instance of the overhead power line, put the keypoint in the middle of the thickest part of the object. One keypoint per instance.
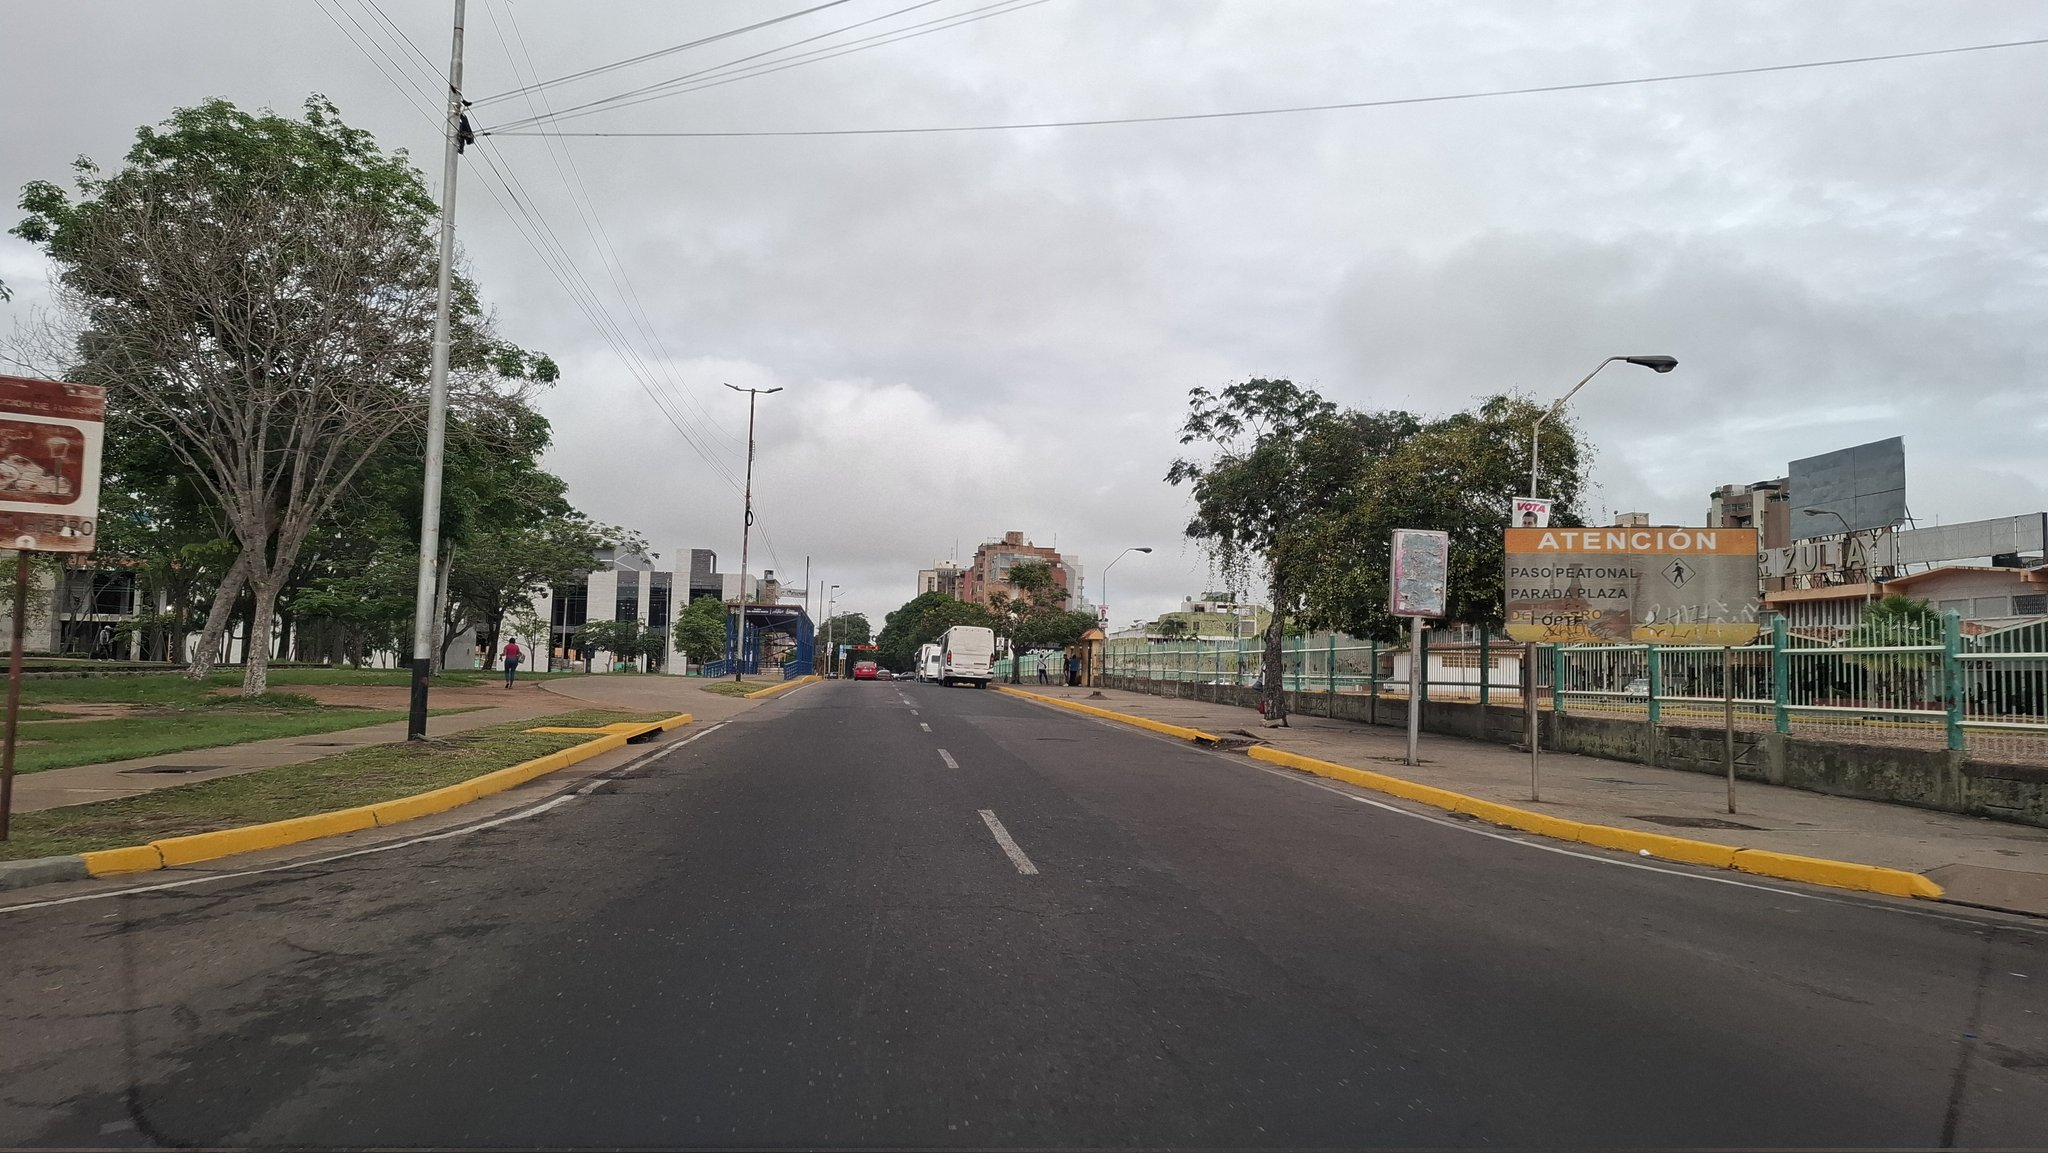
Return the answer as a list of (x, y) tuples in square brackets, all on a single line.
[(532, 226), (1289, 110), (759, 63), (538, 85)]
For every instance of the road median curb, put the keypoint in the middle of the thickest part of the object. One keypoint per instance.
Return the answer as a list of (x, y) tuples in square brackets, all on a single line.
[(1761, 862), (784, 687), (197, 847), (1181, 732)]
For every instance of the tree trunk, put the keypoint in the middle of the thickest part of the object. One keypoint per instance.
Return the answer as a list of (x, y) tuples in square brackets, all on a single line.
[(442, 633), (262, 618), (1273, 698), (206, 654)]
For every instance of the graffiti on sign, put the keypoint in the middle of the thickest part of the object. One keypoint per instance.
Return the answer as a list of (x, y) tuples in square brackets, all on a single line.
[(1664, 585), (1421, 573)]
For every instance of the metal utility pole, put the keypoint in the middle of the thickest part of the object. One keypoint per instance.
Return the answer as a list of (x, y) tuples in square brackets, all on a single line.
[(739, 630), (437, 407)]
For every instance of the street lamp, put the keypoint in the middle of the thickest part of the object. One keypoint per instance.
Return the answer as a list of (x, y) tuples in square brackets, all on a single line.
[(1830, 512), (1111, 565), (739, 632), (1658, 364)]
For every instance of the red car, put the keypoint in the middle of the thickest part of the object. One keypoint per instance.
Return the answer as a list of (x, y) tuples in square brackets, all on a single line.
[(864, 671)]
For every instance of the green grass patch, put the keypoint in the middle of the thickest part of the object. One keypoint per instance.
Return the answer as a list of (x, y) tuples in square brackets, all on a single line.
[(125, 738), (344, 780), (737, 688)]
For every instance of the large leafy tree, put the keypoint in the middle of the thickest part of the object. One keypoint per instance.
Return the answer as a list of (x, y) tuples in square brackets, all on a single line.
[(1279, 457), (258, 291), (700, 629), (1452, 474), (1033, 614), (921, 621)]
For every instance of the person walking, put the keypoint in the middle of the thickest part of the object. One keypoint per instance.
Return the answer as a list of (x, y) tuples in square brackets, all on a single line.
[(513, 655), (1042, 678)]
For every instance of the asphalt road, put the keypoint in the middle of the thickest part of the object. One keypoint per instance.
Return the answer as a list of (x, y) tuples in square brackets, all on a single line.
[(804, 928)]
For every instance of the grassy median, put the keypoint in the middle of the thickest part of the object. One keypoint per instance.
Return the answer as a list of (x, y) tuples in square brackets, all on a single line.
[(737, 688), (344, 780)]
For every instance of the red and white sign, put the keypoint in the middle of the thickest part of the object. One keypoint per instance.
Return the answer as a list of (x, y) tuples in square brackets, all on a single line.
[(51, 434), (1529, 512)]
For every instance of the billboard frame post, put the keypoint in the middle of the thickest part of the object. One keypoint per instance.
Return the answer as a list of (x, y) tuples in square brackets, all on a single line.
[(1415, 682), (19, 630), (1781, 676), (1728, 720), (1529, 716)]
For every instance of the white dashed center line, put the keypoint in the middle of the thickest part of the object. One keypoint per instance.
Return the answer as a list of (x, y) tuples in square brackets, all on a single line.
[(1010, 849), (948, 758), (925, 727)]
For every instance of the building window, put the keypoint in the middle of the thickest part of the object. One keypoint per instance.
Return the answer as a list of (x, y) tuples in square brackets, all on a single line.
[(2031, 605), (626, 606)]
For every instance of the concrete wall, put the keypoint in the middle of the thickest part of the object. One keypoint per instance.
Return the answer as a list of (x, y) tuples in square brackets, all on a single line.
[(1925, 778)]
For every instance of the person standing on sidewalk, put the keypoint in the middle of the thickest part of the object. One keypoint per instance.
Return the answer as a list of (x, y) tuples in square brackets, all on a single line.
[(513, 655), (1042, 678)]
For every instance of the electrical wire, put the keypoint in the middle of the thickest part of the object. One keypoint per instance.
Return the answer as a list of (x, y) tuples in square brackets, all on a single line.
[(600, 237), (1487, 94), (537, 232), (538, 85), (676, 85)]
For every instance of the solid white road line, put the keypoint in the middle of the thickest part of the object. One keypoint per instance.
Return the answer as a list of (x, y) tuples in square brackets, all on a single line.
[(925, 727), (948, 758), (443, 835), (1003, 838)]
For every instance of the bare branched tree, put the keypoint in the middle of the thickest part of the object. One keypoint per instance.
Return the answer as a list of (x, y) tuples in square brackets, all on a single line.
[(260, 291)]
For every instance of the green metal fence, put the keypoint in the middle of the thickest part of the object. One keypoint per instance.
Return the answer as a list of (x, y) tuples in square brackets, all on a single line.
[(1934, 686)]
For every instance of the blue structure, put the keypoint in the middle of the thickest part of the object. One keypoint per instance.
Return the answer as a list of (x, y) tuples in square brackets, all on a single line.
[(784, 630)]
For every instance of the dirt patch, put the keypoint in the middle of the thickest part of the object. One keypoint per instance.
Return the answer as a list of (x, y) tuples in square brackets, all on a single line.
[(389, 696)]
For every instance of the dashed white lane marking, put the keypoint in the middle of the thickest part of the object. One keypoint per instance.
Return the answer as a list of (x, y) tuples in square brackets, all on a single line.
[(443, 835), (948, 758), (1009, 844), (922, 725)]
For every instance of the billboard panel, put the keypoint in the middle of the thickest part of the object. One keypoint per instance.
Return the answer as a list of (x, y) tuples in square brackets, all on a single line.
[(50, 439), (1606, 585), (1864, 486), (1421, 573)]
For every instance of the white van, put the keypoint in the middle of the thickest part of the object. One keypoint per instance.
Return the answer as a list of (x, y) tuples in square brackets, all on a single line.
[(966, 653), (930, 662)]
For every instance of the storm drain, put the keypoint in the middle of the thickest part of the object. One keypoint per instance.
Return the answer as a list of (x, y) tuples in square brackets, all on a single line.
[(174, 769), (1696, 822)]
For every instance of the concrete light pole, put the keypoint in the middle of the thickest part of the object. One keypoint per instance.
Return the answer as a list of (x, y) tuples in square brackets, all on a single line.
[(831, 652), (424, 600), (739, 630)]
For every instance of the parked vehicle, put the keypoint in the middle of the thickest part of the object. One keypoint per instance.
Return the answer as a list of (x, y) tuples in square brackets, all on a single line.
[(967, 655), (865, 671), (1639, 687), (884, 675), (930, 662)]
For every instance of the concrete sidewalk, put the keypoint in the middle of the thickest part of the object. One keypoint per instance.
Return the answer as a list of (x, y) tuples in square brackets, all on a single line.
[(1977, 860)]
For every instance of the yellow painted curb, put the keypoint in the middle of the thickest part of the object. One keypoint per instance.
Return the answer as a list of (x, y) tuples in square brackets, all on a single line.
[(1785, 866), (198, 847), (133, 859), (1180, 731), (784, 687)]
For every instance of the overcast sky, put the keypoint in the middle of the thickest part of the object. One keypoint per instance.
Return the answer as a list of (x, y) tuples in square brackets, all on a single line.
[(984, 331)]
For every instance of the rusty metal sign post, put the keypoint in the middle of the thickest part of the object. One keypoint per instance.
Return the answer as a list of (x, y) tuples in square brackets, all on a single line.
[(51, 434), (1418, 587)]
